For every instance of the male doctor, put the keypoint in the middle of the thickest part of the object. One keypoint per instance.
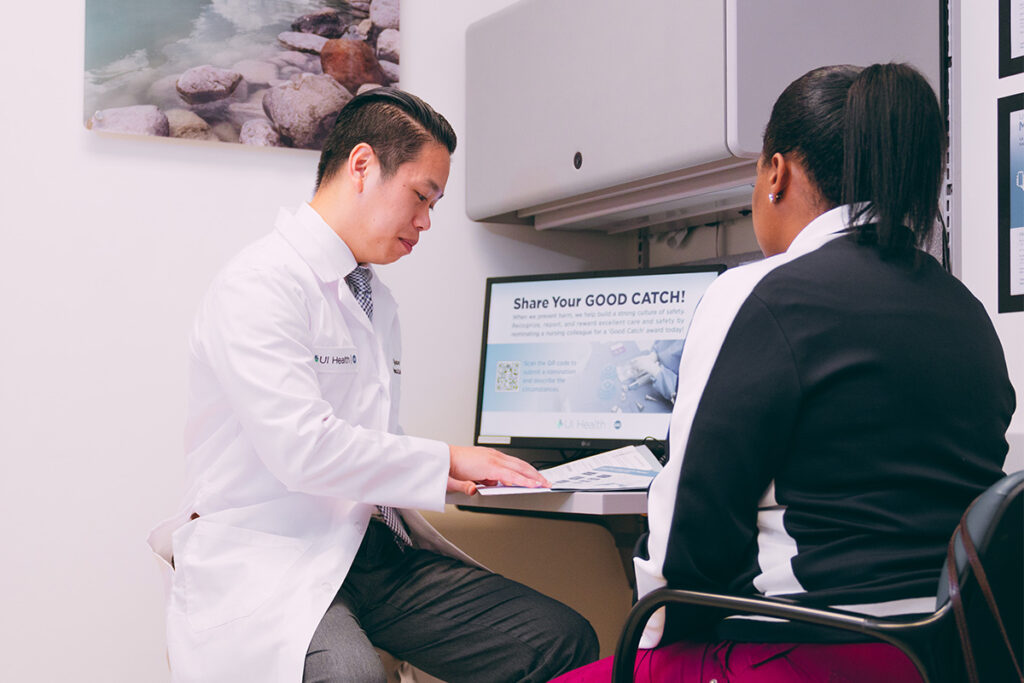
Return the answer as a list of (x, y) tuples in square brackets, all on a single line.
[(296, 550)]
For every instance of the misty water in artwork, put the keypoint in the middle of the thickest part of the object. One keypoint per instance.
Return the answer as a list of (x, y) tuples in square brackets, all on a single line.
[(266, 72)]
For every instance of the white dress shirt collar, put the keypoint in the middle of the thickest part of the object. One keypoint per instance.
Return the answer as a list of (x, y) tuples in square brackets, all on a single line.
[(825, 227)]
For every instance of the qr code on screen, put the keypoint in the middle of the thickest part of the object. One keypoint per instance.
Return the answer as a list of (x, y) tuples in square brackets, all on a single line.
[(508, 375)]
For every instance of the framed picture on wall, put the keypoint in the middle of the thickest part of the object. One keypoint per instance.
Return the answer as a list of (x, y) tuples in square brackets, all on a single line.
[(1011, 37), (1011, 203), (258, 72)]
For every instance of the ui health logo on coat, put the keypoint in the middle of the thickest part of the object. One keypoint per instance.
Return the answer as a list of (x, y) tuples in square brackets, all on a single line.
[(335, 360)]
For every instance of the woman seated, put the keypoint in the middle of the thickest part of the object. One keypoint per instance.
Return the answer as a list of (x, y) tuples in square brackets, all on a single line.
[(840, 403)]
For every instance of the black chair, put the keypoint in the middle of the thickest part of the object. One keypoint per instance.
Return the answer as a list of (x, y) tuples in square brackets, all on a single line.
[(995, 527)]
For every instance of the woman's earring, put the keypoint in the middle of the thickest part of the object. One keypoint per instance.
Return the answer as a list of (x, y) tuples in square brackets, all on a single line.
[(774, 197)]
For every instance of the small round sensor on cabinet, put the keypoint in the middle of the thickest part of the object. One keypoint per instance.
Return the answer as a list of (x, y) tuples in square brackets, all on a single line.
[(577, 159)]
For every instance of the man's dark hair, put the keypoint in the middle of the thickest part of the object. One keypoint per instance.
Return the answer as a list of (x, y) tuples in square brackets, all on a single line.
[(396, 124), (867, 135)]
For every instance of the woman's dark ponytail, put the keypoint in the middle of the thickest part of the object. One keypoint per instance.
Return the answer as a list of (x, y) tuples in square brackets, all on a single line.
[(894, 143)]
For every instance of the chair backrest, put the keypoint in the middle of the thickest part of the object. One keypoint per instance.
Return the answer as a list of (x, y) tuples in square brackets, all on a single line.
[(987, 513), (995, 523)]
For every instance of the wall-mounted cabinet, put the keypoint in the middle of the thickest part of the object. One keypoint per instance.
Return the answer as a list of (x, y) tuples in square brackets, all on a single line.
[(599, 114)]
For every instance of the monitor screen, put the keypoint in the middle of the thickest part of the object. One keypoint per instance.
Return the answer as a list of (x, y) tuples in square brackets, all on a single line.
[(584, 360)]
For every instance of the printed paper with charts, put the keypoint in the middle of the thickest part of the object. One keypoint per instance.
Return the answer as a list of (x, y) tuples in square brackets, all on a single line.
[(625, 469)]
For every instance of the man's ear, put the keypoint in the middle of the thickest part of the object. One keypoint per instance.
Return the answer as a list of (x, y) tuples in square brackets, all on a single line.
[(360, 160)]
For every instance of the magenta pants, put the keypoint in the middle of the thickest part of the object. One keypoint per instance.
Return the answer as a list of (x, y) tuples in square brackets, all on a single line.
[(731, 662)]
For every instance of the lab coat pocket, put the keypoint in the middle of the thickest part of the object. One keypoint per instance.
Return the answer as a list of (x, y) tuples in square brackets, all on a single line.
[(227, 572)]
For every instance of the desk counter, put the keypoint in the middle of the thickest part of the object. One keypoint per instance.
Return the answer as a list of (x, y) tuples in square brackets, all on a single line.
[(578, 503)]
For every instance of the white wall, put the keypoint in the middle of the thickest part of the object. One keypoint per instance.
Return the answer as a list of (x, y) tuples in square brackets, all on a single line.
[(981, 87), (106, 246), (441, 289)]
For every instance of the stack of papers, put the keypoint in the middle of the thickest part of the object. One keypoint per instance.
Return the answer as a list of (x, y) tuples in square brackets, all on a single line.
[(625, 469)]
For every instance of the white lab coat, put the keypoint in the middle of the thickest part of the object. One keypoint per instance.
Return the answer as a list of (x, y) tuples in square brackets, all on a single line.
[(292, 440)]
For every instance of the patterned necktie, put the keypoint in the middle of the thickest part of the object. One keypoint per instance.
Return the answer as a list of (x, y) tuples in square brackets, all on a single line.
[(359, 282)]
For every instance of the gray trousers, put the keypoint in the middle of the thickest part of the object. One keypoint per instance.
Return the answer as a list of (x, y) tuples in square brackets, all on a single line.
[(453, 621)]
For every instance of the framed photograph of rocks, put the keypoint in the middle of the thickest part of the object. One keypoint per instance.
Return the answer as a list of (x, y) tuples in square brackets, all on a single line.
[(255, 72)]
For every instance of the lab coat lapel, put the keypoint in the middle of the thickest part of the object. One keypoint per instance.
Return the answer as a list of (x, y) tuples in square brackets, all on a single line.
[(384, 305)]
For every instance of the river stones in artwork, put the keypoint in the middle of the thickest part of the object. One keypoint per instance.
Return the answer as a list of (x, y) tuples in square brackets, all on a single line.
[(260, 133), (188, 125), (361, 31), (203, 84), (303, 110), (302, 42), (352, 63), (256, 72), (384, 13), (389, 45), (274, 86), (240, 112), (328, 23), (139, 119), (390, 69)]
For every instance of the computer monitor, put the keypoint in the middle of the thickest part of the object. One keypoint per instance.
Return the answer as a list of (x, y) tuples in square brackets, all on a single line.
[(584, 361)]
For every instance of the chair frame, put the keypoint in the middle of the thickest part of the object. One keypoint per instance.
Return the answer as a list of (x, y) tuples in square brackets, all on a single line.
[(910, 635)]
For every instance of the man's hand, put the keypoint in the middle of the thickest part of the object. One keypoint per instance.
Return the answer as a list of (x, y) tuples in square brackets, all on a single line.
[(475, 464)]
